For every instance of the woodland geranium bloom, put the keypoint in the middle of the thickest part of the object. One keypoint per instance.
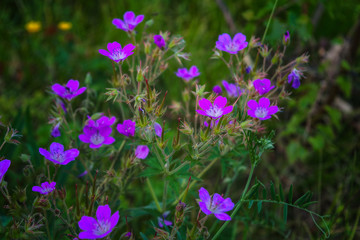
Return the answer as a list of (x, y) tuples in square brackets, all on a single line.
[(217, 89), (98, 132), (141, 151), (45, 188), (216, 205), (4, 166), (187, 75), (158, 129), (69, 91), (55, 132), (116, 53), (232, 89), (99, 227), (261, 110), (130, 21), (159, 41), (286, 37), (294, 77), (231, 46), (262, 86), (216, 109), (57, 154), (127, 128), (162, 220)]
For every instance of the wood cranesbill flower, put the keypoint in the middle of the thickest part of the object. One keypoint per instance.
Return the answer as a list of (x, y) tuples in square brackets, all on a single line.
[(217, 89), (57, 154), (261, 110), (129, 23), (232, 89), (4, 166), (216, 109), (45, 188), (262, 86), (294, 77), (126, 128), (97, 133), (55, 131), (99, 227), (69, 91), (187, 75), (233, 46), (142, 151), (286, 39), (162, 220), (116, 52), (216, 205), (158, 129), (159, 41)]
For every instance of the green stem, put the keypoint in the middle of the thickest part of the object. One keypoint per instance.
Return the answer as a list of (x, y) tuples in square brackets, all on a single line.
[(153, 194), (47, 225), (239, 204), (269, 21), (166, 185)]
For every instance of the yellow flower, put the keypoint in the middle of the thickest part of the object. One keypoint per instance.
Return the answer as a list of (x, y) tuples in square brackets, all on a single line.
[(33, 26), (64, 26)]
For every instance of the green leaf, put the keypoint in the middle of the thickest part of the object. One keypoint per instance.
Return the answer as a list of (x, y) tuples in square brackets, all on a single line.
[(290, 194), (143, 236), (285, 213), (251, 203), (272, 190), (302, 199), (259, 205)]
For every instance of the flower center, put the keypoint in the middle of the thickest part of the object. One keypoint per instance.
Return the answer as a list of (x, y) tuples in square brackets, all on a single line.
[(102, 227), (58, 156), (261, 112), (96, 139), (232, 47), (214, 111), (118, 54)]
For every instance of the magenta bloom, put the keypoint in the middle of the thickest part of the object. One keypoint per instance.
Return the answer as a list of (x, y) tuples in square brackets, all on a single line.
[(116, 53), (187, 75), (69, 91), (129, 23), (262, 86), (232, 89), (216, 205), (100, 227), (141, 151), (55, 132), (231, 46), (98, 132), (217, 89), (286, 37), (216, 109), (162, 220), (158, 129), (262, 110), (159, 41), (4, 166), (294, 77), (45, 188), (127, 128), (57, 154)]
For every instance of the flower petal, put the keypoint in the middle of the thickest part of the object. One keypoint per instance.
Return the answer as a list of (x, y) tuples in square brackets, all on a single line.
[(44, 152), (114, 219), (222, 216), (204, 195), (273, 110), (129, 16), (73, 85), (264, 102), (205, 104), (220, 101), (56, 147), (226, 205), (71, 153), (204, 208), (239, 38), (87, 223), (139, 19), (103, 213), (227, 110), (252, 104)]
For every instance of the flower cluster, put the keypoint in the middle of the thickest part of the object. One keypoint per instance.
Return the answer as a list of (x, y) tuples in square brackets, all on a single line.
[(97, 133)]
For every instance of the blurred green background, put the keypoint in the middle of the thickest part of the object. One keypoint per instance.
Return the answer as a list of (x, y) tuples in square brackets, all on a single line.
[(317, 134)]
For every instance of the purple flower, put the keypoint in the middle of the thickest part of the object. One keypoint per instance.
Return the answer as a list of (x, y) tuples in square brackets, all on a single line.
[(62, 105), (158, 129), (262, 86), (69, 91), (100, 227), (55, 132), (162, 220), (141, 151), (82, 174), (232, 89), (294, 77), (206, 124), (98, 132), (128, 234), (129, 23), (187, 75), (127, 128), (116, 53), (45, 188), (57, 154), (4, 166), (262, 110), (216, 205), (248, 69), (217, 89), (231, 46), (286, 38), (159, 41), (216, 109)]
